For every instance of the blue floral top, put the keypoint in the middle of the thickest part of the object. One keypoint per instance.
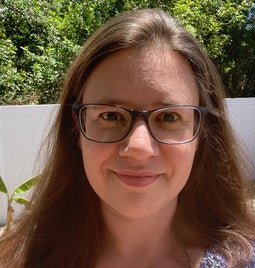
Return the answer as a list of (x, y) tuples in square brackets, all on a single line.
[(217, 260)]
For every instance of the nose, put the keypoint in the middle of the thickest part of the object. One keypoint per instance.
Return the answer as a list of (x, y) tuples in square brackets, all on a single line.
[(139, 144)]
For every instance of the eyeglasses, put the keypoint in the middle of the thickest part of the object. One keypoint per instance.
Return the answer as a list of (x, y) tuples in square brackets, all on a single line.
[(111, 123)]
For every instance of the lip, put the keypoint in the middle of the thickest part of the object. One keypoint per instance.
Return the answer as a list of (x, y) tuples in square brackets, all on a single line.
[(137, 178)]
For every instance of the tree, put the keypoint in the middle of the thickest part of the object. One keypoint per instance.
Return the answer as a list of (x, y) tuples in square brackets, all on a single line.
[(238, 66), (40, 51), (227, 31), (39, 39)]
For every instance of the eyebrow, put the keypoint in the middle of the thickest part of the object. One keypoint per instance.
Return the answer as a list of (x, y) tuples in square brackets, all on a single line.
[(169, 102), (115, 101), (112, 101)]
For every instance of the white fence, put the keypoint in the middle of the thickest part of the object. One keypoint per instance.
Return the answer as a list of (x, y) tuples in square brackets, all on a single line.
[(22, 129)]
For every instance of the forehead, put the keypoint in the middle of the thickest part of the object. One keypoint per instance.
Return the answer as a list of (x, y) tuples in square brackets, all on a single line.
[(142, 78)]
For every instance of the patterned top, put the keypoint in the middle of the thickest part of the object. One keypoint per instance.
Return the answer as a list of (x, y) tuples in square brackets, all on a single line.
[(217, 260), (213, 260)]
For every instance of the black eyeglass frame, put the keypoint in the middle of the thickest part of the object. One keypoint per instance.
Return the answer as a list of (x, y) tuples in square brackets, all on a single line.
[(77, 109)]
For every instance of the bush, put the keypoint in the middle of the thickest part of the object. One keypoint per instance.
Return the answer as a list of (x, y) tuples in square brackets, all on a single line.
[(39, 39)]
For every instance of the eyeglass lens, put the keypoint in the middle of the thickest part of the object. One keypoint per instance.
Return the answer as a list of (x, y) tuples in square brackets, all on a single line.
[(104, 123)]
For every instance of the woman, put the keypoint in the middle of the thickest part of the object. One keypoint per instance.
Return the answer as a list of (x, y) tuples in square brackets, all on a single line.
[(143, 168)]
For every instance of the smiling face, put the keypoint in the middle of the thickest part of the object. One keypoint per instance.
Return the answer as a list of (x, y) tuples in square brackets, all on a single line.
[(138, 176)]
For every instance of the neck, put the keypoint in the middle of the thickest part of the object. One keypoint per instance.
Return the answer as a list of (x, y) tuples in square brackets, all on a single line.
[(144, 242), (133, 237)]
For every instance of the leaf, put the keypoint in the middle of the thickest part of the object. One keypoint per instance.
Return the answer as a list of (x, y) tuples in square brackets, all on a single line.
[(3, 188), (21, 200), (26, 185)]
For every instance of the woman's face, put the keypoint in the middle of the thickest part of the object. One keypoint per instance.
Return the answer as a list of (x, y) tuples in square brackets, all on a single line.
[(138, 176)]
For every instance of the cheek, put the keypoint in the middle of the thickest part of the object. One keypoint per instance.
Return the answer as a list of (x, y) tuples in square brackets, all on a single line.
[(94, 156), (181, 159), (91, 154), (92, 160)]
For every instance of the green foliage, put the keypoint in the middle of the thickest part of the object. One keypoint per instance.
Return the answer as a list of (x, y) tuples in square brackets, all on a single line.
[(3, 188), (40, 53), (39, 39), (227, 31), (22, 188)]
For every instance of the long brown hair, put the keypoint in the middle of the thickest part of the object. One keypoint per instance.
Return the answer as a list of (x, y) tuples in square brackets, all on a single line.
[(63, 226)]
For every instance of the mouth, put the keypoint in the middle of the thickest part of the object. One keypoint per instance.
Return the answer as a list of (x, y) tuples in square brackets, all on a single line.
[(137, 179)]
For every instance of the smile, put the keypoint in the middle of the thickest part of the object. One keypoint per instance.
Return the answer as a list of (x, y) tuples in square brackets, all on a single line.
[(137, 179)]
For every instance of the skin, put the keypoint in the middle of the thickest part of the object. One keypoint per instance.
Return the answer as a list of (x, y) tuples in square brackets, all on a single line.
[(138, 216)]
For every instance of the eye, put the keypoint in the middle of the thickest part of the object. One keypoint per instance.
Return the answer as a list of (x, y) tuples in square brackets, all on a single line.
[(167, 117), (112, 116), (168, 120)]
